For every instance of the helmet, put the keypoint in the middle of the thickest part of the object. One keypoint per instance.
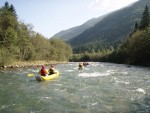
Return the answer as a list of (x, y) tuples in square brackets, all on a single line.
[(52, 65), (43, 66)]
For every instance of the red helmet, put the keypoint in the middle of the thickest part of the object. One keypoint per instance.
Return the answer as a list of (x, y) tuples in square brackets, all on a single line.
[(43, 67)]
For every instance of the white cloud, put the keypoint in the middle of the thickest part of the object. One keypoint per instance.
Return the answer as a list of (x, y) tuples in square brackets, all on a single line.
[(109, 5)]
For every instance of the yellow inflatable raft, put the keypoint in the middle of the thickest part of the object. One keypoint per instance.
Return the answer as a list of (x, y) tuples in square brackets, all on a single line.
[(48, 77)]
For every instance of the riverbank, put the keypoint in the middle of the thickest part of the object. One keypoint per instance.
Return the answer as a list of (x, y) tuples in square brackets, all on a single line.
[(24, 64)]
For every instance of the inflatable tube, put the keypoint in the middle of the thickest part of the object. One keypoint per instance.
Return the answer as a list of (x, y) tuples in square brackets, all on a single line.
[(48, 77)]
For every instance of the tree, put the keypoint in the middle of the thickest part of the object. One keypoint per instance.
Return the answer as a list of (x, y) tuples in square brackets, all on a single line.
[(145, 18), (26, 48), (19, 42), (8, 22), (139, 48), (41, 46), (12, 9), (8, 33), (60, 50), (136, 26)]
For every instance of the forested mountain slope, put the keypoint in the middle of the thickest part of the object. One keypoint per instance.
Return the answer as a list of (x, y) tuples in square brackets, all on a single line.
[(112, 28), (135, 49), (73, 32)]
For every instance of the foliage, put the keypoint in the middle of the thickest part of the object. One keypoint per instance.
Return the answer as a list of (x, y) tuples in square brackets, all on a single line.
[(19, 42), (145, 19), (60, 49), (94, 56), (136, 49), (114, 27), (5, 56), (96, 46), (139, 48)]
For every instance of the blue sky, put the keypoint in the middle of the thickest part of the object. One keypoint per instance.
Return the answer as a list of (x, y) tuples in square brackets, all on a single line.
[(49, 17)]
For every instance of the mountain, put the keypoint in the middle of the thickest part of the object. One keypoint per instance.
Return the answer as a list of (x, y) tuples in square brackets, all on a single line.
[(75, 31), (112, 28)]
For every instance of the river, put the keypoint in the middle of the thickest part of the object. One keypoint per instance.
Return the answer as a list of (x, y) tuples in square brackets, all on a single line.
[(98, 88)]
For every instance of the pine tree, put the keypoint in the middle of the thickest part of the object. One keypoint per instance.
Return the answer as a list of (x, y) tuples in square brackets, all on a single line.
[(12, 10), (136, 26), (145, 19), (6, 5)]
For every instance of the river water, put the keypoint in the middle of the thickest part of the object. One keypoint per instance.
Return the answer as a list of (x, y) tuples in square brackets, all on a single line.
[(98, 88)]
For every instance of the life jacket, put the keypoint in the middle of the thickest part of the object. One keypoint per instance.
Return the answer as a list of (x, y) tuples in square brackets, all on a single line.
[(51, 71), (43, 72), (80, 65)]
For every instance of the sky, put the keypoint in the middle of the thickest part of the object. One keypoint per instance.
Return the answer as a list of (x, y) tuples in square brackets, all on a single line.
[(49, 17)]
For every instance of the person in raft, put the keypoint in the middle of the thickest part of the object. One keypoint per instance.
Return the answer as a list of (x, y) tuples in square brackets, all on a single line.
[(51, 70), (81, 66), (43, 71)]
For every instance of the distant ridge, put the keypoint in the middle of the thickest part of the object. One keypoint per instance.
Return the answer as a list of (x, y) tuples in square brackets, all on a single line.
[(114, 26), (75, 31), (105, 31)]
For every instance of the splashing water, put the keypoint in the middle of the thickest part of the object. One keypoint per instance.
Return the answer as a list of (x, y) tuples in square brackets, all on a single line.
[(98, 88)]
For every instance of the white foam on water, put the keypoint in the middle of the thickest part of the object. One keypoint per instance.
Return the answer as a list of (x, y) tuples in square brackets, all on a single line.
[(95, 74), (124, 72), (86, 68), (70, 64), (35, 70), (45, 97), (4, 106), (122, 82), (102, 65), (58, 84), (141, 90), (93, 104), (97, 64), (69, 70), (75, 68), (111, 71)]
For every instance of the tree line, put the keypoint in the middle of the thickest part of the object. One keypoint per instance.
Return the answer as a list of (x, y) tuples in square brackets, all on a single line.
[(134, 50), (18, 41)]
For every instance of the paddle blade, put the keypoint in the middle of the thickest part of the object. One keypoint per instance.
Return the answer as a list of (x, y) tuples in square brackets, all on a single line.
[(30, 75)]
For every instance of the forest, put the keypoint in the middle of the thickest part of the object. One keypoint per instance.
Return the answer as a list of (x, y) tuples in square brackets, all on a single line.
[(134, 50), (18, 41)]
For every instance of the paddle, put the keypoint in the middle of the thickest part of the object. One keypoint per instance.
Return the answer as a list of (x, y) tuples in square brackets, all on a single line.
[(30, 75)]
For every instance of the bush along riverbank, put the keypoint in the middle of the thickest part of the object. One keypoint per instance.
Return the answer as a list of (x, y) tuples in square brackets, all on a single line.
[(23, 64)]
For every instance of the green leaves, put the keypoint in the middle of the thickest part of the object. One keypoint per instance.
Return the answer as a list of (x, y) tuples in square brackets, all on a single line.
[(19, 42), (145, 18)]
